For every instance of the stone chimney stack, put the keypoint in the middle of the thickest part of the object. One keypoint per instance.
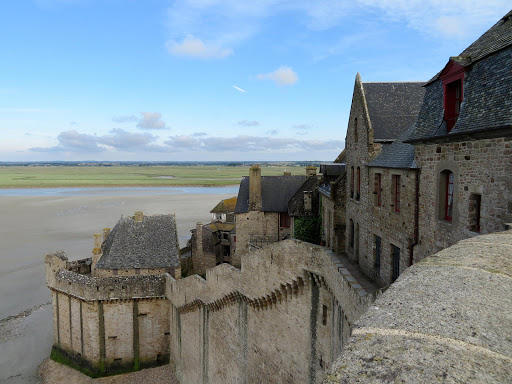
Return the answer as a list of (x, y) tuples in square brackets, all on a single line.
[(96, 252), (138, 217), (255, 188), (106, 232), (310, 171), (307, 201)]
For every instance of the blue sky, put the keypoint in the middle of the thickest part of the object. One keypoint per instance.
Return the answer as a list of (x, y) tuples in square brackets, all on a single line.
[(210, 79)]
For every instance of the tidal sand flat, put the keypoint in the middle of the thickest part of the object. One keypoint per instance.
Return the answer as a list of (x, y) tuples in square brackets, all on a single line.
[(62, 219)]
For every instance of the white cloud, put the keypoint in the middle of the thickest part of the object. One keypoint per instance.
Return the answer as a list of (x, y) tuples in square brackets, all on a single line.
[(193, 47), (239, 89), (151, 120), (282, 76)]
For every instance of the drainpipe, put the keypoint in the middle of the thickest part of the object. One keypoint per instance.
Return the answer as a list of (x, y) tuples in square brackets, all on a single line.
[(416, 216)]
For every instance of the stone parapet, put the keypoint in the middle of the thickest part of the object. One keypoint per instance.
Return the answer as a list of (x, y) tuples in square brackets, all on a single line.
[(446, 319)]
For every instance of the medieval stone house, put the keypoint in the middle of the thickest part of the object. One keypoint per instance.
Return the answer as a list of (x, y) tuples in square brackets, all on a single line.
[(224, 211), (377, 209)]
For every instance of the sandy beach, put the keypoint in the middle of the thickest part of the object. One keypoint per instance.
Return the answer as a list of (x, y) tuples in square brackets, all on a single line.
[(35, 225)]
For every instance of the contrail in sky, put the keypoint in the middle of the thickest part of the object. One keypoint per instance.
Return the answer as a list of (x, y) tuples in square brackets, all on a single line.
[(239, 89)]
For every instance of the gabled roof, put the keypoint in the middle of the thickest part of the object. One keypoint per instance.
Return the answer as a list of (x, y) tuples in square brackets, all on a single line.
[(498, 37), (151, 243), (393, 107), (225, 206), (276, 191), (296, 203), (219, 226), (397, 155)]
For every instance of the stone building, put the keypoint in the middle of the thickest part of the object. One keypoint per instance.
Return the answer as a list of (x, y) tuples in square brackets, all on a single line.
[(262, 210), (224, 211), (138, 245), (462, 140), (333, 200), (379, 114)]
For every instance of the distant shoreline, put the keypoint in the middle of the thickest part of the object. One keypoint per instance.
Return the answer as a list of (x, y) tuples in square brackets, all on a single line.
[(118, 186)]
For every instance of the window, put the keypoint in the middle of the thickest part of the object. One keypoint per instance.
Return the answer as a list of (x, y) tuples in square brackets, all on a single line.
[(452, 102), (377, 253), (137, 271), (358, 195), (449, 197), (475, 204), (378, 188), (352, 182), (395, 255), (324, 315), (351, 233), (284, 220), (356, 134), (396, 193), (114, 272)]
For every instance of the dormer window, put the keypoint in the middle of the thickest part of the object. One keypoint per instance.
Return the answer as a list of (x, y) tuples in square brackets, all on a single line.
[(453, 83)]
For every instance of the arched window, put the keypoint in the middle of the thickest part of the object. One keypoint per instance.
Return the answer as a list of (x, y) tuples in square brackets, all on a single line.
[(356, 135), (358, 195), (446, 189), (352, 182), (351, 234)]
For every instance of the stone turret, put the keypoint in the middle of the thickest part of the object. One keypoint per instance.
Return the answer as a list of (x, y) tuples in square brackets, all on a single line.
[(310, 171), (96, 252), (255, 188)]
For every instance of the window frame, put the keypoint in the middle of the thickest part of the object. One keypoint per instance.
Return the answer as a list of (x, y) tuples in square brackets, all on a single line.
[(358, 194), (378, 189), (284, 220), (396, 193), (448, 197), (378, 253), (352, 182)]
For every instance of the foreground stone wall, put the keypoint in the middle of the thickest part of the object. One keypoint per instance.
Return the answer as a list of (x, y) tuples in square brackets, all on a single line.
[(446, 319), (480, 167), (282, 318)]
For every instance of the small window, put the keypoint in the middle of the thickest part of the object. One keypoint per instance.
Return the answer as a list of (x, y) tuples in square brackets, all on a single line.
[(358, 195), (137, 271), (475, 204), (449, 197), (378, 189), (396, 193), (114, 272), (324, 315), (284, 220), (378, 251), (352, 182)]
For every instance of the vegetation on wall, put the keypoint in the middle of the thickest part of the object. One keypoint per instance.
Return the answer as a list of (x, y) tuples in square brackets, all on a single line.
[(308, 229)]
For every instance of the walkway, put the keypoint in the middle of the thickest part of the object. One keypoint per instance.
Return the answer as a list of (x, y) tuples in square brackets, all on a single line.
[(353, 274)]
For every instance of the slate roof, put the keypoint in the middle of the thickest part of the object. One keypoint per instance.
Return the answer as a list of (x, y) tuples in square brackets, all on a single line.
[(397, 155), (152, 243), (276, 191), (487, 98), (296, 203), (498, 37), (225, 206), (332, 169), (393, 107)]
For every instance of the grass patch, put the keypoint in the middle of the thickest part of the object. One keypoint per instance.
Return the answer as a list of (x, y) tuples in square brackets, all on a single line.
[(63, 359), (201, 175)]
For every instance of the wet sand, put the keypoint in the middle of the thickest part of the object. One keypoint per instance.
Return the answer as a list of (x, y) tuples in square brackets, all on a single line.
[(33, 226)]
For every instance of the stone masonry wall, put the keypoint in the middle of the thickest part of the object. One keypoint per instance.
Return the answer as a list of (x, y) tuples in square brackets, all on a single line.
[(282, 318), (394, 228), (108, 324), (481, 167)]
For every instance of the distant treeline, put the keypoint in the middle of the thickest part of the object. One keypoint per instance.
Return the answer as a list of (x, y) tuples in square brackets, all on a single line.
[(157, 163)]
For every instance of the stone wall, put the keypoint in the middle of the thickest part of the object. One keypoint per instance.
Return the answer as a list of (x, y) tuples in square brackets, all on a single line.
[(107, 324), (482, 167), (447, 319), (282, 318), (174, 272), (334, 215), (394, 228)]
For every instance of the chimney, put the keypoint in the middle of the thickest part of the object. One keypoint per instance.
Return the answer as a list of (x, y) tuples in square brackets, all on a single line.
[(138, 217), (311, 171), (255, 188), (199, 238), (96, 252), (287, 173), (307, 201), (106, 232)]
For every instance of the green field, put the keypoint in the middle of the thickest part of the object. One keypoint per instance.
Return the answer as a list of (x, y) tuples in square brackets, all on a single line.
[(63, 176)]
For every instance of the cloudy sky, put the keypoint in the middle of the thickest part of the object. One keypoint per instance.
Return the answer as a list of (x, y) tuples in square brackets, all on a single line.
[(210, 79)]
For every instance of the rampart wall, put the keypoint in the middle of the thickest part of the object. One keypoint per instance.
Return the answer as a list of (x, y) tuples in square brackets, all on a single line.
[(282, 318)]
